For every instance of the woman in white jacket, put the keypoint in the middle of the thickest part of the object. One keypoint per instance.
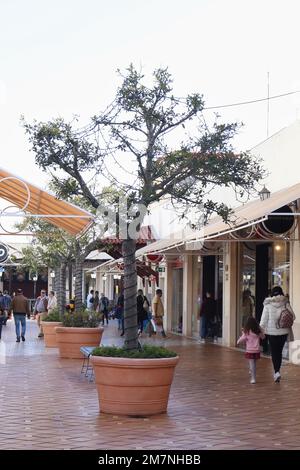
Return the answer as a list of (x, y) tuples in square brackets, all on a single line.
[(273, 306), (52, 302)]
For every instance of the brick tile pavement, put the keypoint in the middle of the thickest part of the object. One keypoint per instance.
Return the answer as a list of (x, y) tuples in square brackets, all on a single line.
[(45, 403)]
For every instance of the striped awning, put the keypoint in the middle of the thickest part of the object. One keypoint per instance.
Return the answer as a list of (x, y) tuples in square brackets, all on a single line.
[(35, 201), (251, 213)]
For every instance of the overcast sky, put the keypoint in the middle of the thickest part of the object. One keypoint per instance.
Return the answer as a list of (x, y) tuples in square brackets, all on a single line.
[(59, 58)]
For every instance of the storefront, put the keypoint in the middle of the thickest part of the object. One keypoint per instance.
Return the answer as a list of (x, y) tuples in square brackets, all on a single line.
[(261, 266), (238, 264)]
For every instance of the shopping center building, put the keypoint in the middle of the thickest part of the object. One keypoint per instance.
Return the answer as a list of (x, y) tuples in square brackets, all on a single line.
[(259, 250)]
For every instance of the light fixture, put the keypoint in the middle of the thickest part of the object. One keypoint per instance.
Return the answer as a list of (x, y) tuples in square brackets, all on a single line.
[(52, 274), (264, 194), (93, 275), (34, 278), (74, 278), (104, 277), (117, 276), (277, 247)]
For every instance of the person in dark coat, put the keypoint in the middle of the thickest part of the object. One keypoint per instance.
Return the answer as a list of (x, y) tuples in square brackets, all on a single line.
[(207, 315), (120, 312), (142, 312)]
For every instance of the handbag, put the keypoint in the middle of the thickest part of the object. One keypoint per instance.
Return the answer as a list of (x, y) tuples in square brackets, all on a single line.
[(158, 321), (286, 319), (146, 305)]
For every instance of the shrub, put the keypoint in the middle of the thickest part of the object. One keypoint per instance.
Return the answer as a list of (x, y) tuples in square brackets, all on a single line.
[(81, 320), (148, 351), (53, 316)]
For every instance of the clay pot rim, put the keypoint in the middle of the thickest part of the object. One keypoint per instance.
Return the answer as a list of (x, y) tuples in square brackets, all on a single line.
[(127, 362), (74, 329), (51, 322)]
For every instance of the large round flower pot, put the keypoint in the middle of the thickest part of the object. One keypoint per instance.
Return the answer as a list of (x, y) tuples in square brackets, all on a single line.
[(133, 387), (70, 340), (49, 333)]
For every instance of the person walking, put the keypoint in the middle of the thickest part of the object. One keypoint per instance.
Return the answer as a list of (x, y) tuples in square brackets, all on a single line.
[(52, 301), (247, 306), (158, 312), (7, 303), (90, 300), (96, 305), (103, 307), (274, 306), (20, 308), (208, 313), (142, 305), (1, 323), (2, 312), (40, 309), (120, 313), (251, 335), (2, 316)]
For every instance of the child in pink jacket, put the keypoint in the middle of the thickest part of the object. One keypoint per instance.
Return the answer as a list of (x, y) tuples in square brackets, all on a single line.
[(252, 334)]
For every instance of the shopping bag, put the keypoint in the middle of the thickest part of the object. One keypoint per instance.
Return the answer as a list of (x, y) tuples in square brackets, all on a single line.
[(158, 321)]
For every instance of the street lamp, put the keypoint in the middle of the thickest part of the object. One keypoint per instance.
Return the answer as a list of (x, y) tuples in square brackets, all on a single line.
[(117, 277), (34, 278), (264, 194), (52, 275)]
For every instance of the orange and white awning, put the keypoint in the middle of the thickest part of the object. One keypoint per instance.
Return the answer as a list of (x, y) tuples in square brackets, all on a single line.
[(35, 201)]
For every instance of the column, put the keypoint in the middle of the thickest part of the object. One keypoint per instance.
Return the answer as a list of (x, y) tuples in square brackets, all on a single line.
[(295, 281), (230, 294), (110, 286), (168, 294), (187, 301)]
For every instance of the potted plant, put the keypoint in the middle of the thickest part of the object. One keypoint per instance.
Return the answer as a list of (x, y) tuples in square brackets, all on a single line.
[(133, 382), (78, 329), (49, 324)]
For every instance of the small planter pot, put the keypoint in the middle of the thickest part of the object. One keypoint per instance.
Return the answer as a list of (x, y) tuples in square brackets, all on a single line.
[(70, 340), (133, 387), (49, 333)]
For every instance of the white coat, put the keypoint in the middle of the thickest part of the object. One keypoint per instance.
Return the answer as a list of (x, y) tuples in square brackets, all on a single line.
[(273, 306)]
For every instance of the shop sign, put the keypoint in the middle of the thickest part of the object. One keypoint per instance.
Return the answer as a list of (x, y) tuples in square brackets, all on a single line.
[(3, 253)]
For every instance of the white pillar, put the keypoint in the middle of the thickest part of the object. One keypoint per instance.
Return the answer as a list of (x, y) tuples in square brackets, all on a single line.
[(187, 300), (109, 286), (295, 282), (230, 286), (197, 288), (168, 295)]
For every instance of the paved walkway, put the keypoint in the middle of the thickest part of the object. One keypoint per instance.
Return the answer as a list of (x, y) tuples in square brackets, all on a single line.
[(46, 404)]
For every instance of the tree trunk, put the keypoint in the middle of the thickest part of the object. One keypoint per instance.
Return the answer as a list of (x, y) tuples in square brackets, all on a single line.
[(78, 283), (55, 279), (61, 288), (70, 281), (130, 294)]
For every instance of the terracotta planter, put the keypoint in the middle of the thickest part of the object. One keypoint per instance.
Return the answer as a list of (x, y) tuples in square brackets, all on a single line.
[(133, 387), (70, 340), (49, 333)]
